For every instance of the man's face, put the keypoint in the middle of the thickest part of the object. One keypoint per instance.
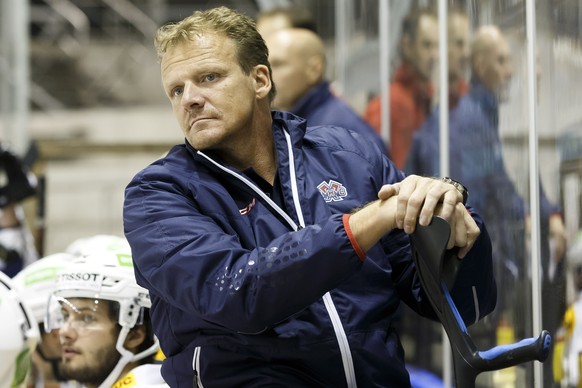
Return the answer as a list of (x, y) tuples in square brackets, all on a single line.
[(88, 336), (422, 52), (212, 98), (496, 70), (458, 45), (290, 69)]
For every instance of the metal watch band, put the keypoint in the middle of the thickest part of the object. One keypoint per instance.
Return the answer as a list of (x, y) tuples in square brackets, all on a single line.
[(459, 186)]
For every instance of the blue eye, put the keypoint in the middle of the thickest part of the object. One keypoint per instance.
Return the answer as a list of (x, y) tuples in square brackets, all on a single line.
[(176, 92), (87, 318), (210, 77)]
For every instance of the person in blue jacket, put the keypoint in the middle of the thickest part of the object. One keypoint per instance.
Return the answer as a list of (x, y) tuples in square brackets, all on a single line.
[(275, 253), (476, 159), (297, 58), (475, 153)]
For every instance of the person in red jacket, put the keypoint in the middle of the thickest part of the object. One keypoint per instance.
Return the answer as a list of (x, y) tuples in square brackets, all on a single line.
[(411, 90)]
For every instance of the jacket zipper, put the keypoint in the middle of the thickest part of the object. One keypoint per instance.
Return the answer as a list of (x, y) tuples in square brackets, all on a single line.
[(338, 328), (196, 368), (344, 346)]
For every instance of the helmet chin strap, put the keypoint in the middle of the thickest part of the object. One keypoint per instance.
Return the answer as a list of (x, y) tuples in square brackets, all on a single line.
[(126, 357)]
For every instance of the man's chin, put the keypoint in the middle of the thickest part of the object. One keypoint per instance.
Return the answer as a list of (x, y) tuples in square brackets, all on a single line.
[(202, 142)]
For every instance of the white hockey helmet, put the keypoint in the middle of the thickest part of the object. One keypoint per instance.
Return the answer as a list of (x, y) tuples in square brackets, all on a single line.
[(38, 280), (104, 276), (98, 243), (18, 336)]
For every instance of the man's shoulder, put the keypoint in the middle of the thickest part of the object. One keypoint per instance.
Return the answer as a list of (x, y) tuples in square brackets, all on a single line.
[(468, 109), (168, 165), (332, 138), (338, 112), (175, 156)]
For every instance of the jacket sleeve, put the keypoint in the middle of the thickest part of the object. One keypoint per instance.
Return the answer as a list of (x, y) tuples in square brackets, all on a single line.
[(193, 262)]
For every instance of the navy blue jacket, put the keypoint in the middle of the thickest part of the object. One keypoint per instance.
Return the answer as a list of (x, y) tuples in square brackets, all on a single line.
[(248, 291), (476, 160), (321, 107)]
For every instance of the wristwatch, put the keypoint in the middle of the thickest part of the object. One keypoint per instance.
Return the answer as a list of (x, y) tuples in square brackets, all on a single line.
[(460, 188)]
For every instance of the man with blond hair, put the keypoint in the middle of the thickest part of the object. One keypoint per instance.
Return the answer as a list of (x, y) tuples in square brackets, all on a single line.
[(275, 253)]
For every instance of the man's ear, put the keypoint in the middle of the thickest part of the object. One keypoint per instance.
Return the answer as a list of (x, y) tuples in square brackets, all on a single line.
[(262, 81), (478, 64), (315, 69), (135, 337)]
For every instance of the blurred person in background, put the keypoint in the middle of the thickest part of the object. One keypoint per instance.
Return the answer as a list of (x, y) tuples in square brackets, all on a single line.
[(17, 183), (476, 158), (104, 324), (34, 285), (459, 52), (298, 62), (18, 336), (422, 334), (284, 17), (411, 90)]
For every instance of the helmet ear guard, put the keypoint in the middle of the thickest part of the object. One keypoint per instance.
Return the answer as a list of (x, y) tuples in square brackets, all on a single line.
[(131, 312)]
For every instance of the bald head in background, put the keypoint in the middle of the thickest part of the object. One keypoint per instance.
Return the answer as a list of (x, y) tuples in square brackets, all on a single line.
[(297, 58), (491, 60), (285, 17)]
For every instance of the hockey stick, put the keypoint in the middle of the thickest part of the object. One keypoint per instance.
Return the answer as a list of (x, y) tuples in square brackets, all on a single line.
[(437, 269)]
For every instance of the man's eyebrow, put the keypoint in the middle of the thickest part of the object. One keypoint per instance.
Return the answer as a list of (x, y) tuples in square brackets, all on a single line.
[(79, 310)]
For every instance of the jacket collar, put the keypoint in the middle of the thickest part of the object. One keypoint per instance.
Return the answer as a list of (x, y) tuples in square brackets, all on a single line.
[(282, 121), (488, 101), (314, 97), (288, 133)]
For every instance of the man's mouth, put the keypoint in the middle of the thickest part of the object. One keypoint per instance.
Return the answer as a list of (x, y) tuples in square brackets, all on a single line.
[(69, 352), (198, 119)]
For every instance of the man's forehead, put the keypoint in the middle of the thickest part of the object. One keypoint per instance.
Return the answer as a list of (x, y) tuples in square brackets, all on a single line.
[(427, 30), (207, 46), (426, 23)]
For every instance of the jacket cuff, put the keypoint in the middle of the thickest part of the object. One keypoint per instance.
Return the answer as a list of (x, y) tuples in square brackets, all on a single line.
[(346, 221)]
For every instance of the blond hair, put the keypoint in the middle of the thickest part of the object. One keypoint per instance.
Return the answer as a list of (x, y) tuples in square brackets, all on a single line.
[(241, 29)]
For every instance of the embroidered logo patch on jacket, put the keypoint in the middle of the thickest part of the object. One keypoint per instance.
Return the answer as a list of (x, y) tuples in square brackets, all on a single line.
[(332, 191)]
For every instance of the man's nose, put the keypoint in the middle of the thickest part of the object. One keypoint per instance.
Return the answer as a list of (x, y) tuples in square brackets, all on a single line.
[(67, 329), (192, 96)]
